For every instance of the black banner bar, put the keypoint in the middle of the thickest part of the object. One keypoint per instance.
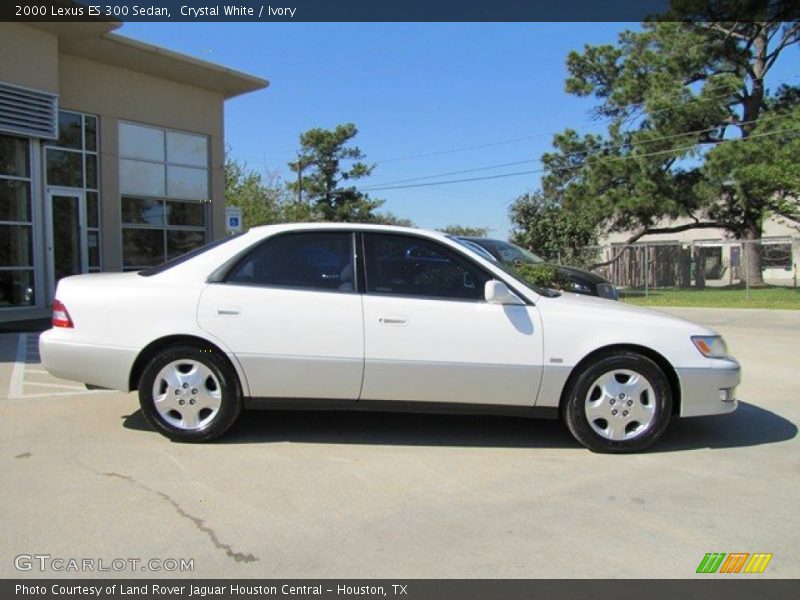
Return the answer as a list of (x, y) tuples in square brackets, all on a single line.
[(713, 588), (387, 11)]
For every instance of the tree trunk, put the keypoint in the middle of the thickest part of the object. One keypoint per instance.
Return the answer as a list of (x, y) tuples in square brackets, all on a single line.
[(752, 256), (699, 267), (753, 105)]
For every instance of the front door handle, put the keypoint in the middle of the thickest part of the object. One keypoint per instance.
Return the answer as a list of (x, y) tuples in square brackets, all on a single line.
[(393, 320), (231, 311)]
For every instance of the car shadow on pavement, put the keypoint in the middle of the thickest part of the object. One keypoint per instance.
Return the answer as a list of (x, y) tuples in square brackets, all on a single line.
[(386, 428), (748, 426)]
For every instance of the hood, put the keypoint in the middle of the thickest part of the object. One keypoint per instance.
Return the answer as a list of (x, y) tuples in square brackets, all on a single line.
[(579, 274), (627, 315)]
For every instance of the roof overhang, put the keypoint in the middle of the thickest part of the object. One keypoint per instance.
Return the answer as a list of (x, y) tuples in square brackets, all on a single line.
[(96, 41)]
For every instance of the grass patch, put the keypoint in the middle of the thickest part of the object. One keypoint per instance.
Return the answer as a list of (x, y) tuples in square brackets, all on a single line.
[(725, 297)]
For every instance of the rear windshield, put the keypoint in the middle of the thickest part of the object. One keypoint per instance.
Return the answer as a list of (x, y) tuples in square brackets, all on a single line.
[(173, 262)]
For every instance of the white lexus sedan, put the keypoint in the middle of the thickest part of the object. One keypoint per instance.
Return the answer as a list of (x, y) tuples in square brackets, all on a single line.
[(369, 317)]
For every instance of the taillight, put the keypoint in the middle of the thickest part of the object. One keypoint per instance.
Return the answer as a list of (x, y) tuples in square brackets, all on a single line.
[(61, 317)]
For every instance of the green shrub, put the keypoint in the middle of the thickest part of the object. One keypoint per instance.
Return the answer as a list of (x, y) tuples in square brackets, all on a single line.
[(542, 275)]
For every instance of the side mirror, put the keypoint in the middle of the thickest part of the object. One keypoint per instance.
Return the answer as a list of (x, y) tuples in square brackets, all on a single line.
[(497, 292)]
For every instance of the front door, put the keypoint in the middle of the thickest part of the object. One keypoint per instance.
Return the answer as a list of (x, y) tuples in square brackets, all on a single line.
[(66, 235), (429, 335)]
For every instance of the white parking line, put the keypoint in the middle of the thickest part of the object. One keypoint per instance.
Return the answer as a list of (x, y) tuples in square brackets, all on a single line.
[(56, 385), (17, 375), (28, 363)]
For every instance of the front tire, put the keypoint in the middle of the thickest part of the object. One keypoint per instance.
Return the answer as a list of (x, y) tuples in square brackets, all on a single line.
[(620, 403), (190, 394)]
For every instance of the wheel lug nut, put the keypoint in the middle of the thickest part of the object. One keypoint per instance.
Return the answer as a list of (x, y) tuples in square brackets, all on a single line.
[(614, 412), (622, 396), (624, 413), (185, 385), (191, 401), (177, 392), (181, 401), (612, 402), (194, 391), (630, 402)]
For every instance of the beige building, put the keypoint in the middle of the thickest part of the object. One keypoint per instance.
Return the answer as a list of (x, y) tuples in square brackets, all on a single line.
[(111, 156), (669, 256)]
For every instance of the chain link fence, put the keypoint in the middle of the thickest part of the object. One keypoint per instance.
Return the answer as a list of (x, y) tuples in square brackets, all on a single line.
[(713, 263)]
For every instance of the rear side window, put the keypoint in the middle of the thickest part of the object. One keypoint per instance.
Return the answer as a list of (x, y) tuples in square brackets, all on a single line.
[(318, 261), (409, 266)]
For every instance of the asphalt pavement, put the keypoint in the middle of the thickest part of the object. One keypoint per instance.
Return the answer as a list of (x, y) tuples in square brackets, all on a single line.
[(326, 494)]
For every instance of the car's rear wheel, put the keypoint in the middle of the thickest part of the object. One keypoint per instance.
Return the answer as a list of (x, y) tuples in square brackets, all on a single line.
[(190, 394), (620, 403)]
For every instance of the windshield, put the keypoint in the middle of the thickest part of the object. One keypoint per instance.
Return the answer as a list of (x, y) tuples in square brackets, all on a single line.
[(508, 268), (477, 249), (508, 253)]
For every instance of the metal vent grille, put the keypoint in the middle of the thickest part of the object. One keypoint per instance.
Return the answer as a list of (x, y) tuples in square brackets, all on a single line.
[(28, 112)]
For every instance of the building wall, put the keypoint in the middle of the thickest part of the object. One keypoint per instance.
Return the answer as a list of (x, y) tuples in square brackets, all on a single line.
[(772, 228), (29, 57), (32, 58), (116, 94)]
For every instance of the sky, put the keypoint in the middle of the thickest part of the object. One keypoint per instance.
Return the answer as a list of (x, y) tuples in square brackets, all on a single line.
[(427, 98)]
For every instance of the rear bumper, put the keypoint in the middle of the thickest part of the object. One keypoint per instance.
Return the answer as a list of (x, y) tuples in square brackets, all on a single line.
[(710, 391), (101, 366)]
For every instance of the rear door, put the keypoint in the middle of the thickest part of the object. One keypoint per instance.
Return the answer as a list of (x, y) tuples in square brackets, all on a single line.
[(290, 312), (431, 337)]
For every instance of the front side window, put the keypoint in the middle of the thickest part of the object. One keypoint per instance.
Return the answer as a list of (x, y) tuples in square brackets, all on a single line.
[(409, 266), (318, 261)]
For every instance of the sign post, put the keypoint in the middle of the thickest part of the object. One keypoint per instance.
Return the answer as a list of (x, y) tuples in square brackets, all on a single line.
[(233, 220)]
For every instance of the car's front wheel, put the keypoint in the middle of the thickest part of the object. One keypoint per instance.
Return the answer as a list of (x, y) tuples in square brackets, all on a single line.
[(620, 403), (190, 394)]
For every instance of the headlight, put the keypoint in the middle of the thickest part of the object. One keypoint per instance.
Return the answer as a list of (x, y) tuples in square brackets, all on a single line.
[(711, 346)]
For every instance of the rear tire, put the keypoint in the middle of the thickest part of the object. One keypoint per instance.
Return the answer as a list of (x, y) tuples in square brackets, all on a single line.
[(190, 394), (620, 403)]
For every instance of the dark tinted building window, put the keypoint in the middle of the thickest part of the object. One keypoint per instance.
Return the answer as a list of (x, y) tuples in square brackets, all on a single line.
[(322, 261)]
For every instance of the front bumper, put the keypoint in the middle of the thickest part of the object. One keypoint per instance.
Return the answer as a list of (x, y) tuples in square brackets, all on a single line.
[(711, 390)]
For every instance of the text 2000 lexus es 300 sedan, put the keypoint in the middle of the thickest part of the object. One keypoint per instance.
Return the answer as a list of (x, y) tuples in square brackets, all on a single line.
[(374, 317)]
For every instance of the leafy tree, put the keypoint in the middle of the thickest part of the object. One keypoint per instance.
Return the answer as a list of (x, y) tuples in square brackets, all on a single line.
[(260, 201), (543, 226), (325, 182), (461, 230), (389, 218), (693, 131)]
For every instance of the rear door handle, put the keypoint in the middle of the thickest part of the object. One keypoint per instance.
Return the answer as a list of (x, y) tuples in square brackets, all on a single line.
[(231, 311), (393, 320)]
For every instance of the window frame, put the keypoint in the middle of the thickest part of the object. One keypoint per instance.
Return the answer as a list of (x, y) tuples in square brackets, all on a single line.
[(223, 275), (85, 153), (164, 199), (454, 253), (33, 269)]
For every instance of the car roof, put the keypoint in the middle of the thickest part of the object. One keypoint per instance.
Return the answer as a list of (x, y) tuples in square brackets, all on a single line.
[(276, 228)]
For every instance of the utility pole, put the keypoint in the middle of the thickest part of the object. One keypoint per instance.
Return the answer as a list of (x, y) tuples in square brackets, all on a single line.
[(299, 179)]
